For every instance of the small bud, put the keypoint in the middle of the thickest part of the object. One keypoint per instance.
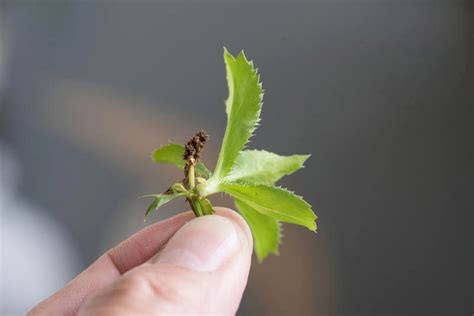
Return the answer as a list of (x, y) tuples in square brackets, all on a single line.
[(200, 180), (178, 188)]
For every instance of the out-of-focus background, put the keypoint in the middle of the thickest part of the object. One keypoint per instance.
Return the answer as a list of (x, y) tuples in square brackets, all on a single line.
[(380, 93)]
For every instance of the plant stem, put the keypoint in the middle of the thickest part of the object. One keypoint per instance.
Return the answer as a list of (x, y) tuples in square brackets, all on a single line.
[(196, 207), (193, 202), (191, 177)]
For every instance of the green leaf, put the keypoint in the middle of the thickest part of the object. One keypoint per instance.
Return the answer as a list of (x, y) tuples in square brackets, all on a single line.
[(243, 107), (272, 201), (151, 208), (160, 200), (265, 230), (202, 170), (169, 154), (173, 154), (263, 167)]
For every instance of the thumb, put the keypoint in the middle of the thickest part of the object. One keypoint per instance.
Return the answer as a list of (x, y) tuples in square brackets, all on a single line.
[(203, 269)]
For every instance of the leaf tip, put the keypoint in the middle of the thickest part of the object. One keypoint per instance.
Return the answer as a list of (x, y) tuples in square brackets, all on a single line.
[(228, 56), (314, 226)]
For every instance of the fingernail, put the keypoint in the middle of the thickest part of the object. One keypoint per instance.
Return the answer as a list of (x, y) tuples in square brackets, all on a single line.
[(203, 244)]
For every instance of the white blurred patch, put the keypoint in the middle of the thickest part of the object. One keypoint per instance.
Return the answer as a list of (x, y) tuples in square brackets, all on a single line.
[(37, 256)]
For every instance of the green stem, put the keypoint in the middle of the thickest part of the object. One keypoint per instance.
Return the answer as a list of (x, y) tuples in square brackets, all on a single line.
[(191, 177), (196, 207), (193, 200)]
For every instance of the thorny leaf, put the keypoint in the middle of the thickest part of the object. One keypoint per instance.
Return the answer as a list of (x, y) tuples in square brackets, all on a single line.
[(272, 201), (263, 167), (265, 230), (243, 107)]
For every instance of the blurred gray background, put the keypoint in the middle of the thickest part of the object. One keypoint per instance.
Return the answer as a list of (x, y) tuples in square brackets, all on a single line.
[(380, 93)]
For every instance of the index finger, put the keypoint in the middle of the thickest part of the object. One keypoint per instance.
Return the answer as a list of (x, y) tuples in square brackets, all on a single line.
[(130, 253)]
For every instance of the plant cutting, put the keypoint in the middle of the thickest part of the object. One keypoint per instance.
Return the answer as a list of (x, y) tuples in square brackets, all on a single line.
[(247, 176)]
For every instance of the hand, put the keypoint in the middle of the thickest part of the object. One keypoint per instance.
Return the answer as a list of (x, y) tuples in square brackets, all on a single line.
[(180, 265)]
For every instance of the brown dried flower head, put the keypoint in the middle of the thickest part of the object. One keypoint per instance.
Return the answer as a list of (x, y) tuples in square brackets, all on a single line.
[(193, 148)]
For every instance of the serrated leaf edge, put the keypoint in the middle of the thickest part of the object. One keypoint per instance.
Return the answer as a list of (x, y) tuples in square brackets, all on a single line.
[(256, 206), (304, 156), (256, 75)]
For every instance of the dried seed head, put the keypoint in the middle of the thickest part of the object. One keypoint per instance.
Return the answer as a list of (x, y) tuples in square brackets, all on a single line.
[(193, 148)]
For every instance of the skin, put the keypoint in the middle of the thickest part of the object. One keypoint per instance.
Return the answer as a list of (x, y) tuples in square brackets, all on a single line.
[(181, 265)]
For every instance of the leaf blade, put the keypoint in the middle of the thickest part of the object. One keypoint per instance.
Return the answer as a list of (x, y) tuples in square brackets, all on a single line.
[(273, 201), (202, 170), (169, 154), (243, 107), (173, 154), (265, 230), (160, 200), (263, 167)]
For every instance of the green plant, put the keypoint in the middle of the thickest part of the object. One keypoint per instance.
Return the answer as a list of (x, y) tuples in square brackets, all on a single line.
[(248, 176)]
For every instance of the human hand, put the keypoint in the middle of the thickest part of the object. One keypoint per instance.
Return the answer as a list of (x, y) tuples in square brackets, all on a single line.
[(180, 265)]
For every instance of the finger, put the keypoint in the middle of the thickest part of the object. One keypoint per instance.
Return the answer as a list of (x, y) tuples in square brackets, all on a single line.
[(203, 269), (130, 253)]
